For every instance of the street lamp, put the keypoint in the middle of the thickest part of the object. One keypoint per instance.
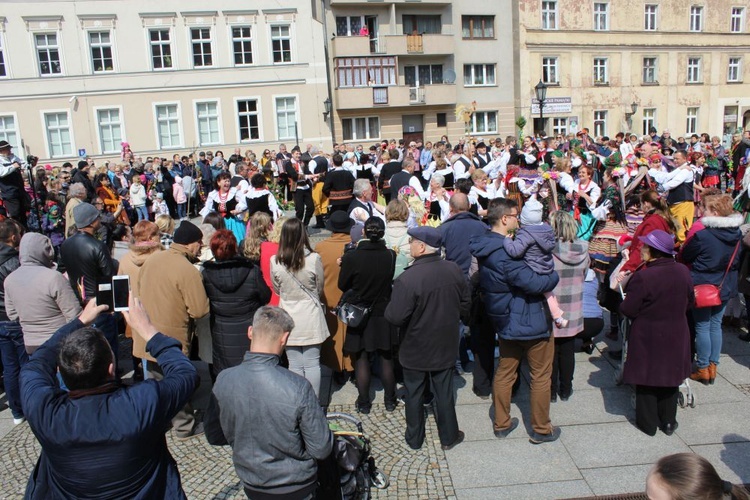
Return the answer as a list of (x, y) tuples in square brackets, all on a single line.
[(541, 96), (327, 108), (629, 116)]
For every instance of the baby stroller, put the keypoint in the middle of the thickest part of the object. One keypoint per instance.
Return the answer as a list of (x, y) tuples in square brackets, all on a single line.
[(686, 396), (356, 467)]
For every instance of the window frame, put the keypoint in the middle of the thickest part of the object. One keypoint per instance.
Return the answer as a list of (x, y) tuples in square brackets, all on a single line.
[(556, 68), (17, 143), (698, 68), (605, 80), (366, 70), (600, 122), (220, 128), (472, 18), (654, 15), (290, 38), (202, 42), (3, 58), (648, 121), (120, 110), (655, 70), (232, 42), (419, 83), (694, 117), (486, 114), (740, 18), (696, 14), (180, 125), (739, 78), (258, 112), (484, 75), (553, 14), (58, 46), (354, 128), (150, 47), (101, 46), (48, 143), (560, 126), (605, 15), (297, 116)]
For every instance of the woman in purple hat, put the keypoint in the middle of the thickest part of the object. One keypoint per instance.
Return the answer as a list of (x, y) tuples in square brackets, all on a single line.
[(659, 296)]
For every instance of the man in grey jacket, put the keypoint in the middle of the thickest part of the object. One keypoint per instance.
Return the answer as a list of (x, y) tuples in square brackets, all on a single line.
[(269, 416)]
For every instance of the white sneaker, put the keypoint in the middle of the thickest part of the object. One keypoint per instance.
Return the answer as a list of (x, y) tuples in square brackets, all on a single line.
[(18, 421)]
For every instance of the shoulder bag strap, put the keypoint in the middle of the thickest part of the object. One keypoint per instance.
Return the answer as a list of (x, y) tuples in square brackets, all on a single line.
[(729, 266), (305, 289)]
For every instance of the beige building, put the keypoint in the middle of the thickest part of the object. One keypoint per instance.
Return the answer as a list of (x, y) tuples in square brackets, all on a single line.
[(681, 62), (80, 77), (399, 68)]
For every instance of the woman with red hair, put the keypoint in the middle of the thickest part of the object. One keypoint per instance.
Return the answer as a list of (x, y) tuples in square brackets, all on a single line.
[(235, 290)]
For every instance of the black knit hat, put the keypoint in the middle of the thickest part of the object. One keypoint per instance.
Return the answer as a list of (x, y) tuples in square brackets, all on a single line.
[(187, 233)]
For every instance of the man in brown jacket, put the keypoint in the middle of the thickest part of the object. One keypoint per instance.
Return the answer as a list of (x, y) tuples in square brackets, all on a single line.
[(171, 289)]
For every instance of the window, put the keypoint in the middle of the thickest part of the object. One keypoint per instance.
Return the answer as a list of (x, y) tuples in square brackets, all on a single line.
[(248, 120), (3, 69), (479, 74), (601, 16), (550, 73), (348, 25), (281, 43), (649, 70), (694, 70), (8, 130), (420, 25), (649, 17), (101, 51), (738, 15), (442, 119), (474, 27), (59, 138), (696, 18), (358, 129), (168, 126), (207, 116), (600, 123), (601, 73), (363, 71), (242, 45), (692, 121), (48, 53), (649, 119), (483, 122), (549, 15), (161, 48), (286, 118), (200, 38), (427, 74), (110, 130), (734, 74), (560, 126)]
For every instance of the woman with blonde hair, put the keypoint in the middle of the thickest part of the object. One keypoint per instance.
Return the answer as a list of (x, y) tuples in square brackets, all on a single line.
[(165, 223), (258, 228), (396, 216)]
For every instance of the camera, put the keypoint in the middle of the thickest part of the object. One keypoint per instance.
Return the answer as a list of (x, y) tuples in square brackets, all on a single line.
[(32, 160)]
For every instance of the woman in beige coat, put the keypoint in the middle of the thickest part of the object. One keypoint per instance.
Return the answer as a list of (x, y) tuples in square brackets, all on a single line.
[(297, 277)]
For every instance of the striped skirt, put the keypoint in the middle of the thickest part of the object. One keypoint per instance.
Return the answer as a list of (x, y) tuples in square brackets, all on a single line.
[(603, 245)]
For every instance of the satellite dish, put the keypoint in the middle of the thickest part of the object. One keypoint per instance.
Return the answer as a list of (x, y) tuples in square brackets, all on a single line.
[(449, 76)]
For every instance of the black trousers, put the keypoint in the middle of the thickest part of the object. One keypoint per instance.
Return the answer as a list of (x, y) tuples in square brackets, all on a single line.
[(591, 328), (563, 365), (445, 405), (655, 407), (338, 208), (483, 347), (303, 205)]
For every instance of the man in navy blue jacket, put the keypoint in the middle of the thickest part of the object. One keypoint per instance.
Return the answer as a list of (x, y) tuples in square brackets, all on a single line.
[(513, 297), (100, 440)]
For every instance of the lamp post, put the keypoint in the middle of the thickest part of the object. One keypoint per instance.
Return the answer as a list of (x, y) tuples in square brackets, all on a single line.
[(541, 95), (629, 116)]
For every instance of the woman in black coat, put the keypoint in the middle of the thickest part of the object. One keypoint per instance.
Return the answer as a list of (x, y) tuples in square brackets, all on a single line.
[(235, 290), (366, 277), (658, 298)]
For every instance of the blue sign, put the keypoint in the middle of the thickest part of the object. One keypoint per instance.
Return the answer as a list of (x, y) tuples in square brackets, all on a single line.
[(82, 153)]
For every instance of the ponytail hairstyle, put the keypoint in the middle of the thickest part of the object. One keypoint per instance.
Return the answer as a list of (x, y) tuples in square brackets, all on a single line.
[(688, 476), (660, 207)]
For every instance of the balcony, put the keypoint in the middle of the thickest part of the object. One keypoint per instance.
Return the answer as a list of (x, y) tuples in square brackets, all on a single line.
[(354, 46), (395, 96), (428, 45)]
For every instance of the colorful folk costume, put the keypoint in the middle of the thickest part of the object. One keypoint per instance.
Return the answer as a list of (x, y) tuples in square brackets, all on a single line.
[(603, 245)]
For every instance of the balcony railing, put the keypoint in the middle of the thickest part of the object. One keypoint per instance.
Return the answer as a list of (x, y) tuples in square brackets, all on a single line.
[(416, 95), (414, 44), (380, 95)]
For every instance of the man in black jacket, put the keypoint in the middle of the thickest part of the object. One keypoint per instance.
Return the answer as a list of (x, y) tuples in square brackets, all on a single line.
[(89, 263), (82, 175), (277, 460), (428, 300), (384, 179), (12, 351), (298, 172), (338, 186)]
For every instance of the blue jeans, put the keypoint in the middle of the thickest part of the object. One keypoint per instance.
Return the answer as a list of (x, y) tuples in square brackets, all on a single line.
[(14, 356), (181, 210), (142, 212), (708, 333)]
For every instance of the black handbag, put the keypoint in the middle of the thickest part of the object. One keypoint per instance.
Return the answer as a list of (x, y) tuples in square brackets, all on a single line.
[(352, 314)]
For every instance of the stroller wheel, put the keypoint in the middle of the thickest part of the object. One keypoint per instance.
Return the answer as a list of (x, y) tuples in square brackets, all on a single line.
[(691, 401), (379, 480), (681, 399)]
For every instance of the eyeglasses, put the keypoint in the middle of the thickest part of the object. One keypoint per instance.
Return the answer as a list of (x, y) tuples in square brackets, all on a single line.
[(512, 215)]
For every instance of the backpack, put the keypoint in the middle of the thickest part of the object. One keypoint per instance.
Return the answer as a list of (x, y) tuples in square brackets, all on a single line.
[(402, 260)]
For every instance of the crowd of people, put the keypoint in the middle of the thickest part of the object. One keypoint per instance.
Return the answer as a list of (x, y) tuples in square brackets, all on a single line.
[(443, 252)]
